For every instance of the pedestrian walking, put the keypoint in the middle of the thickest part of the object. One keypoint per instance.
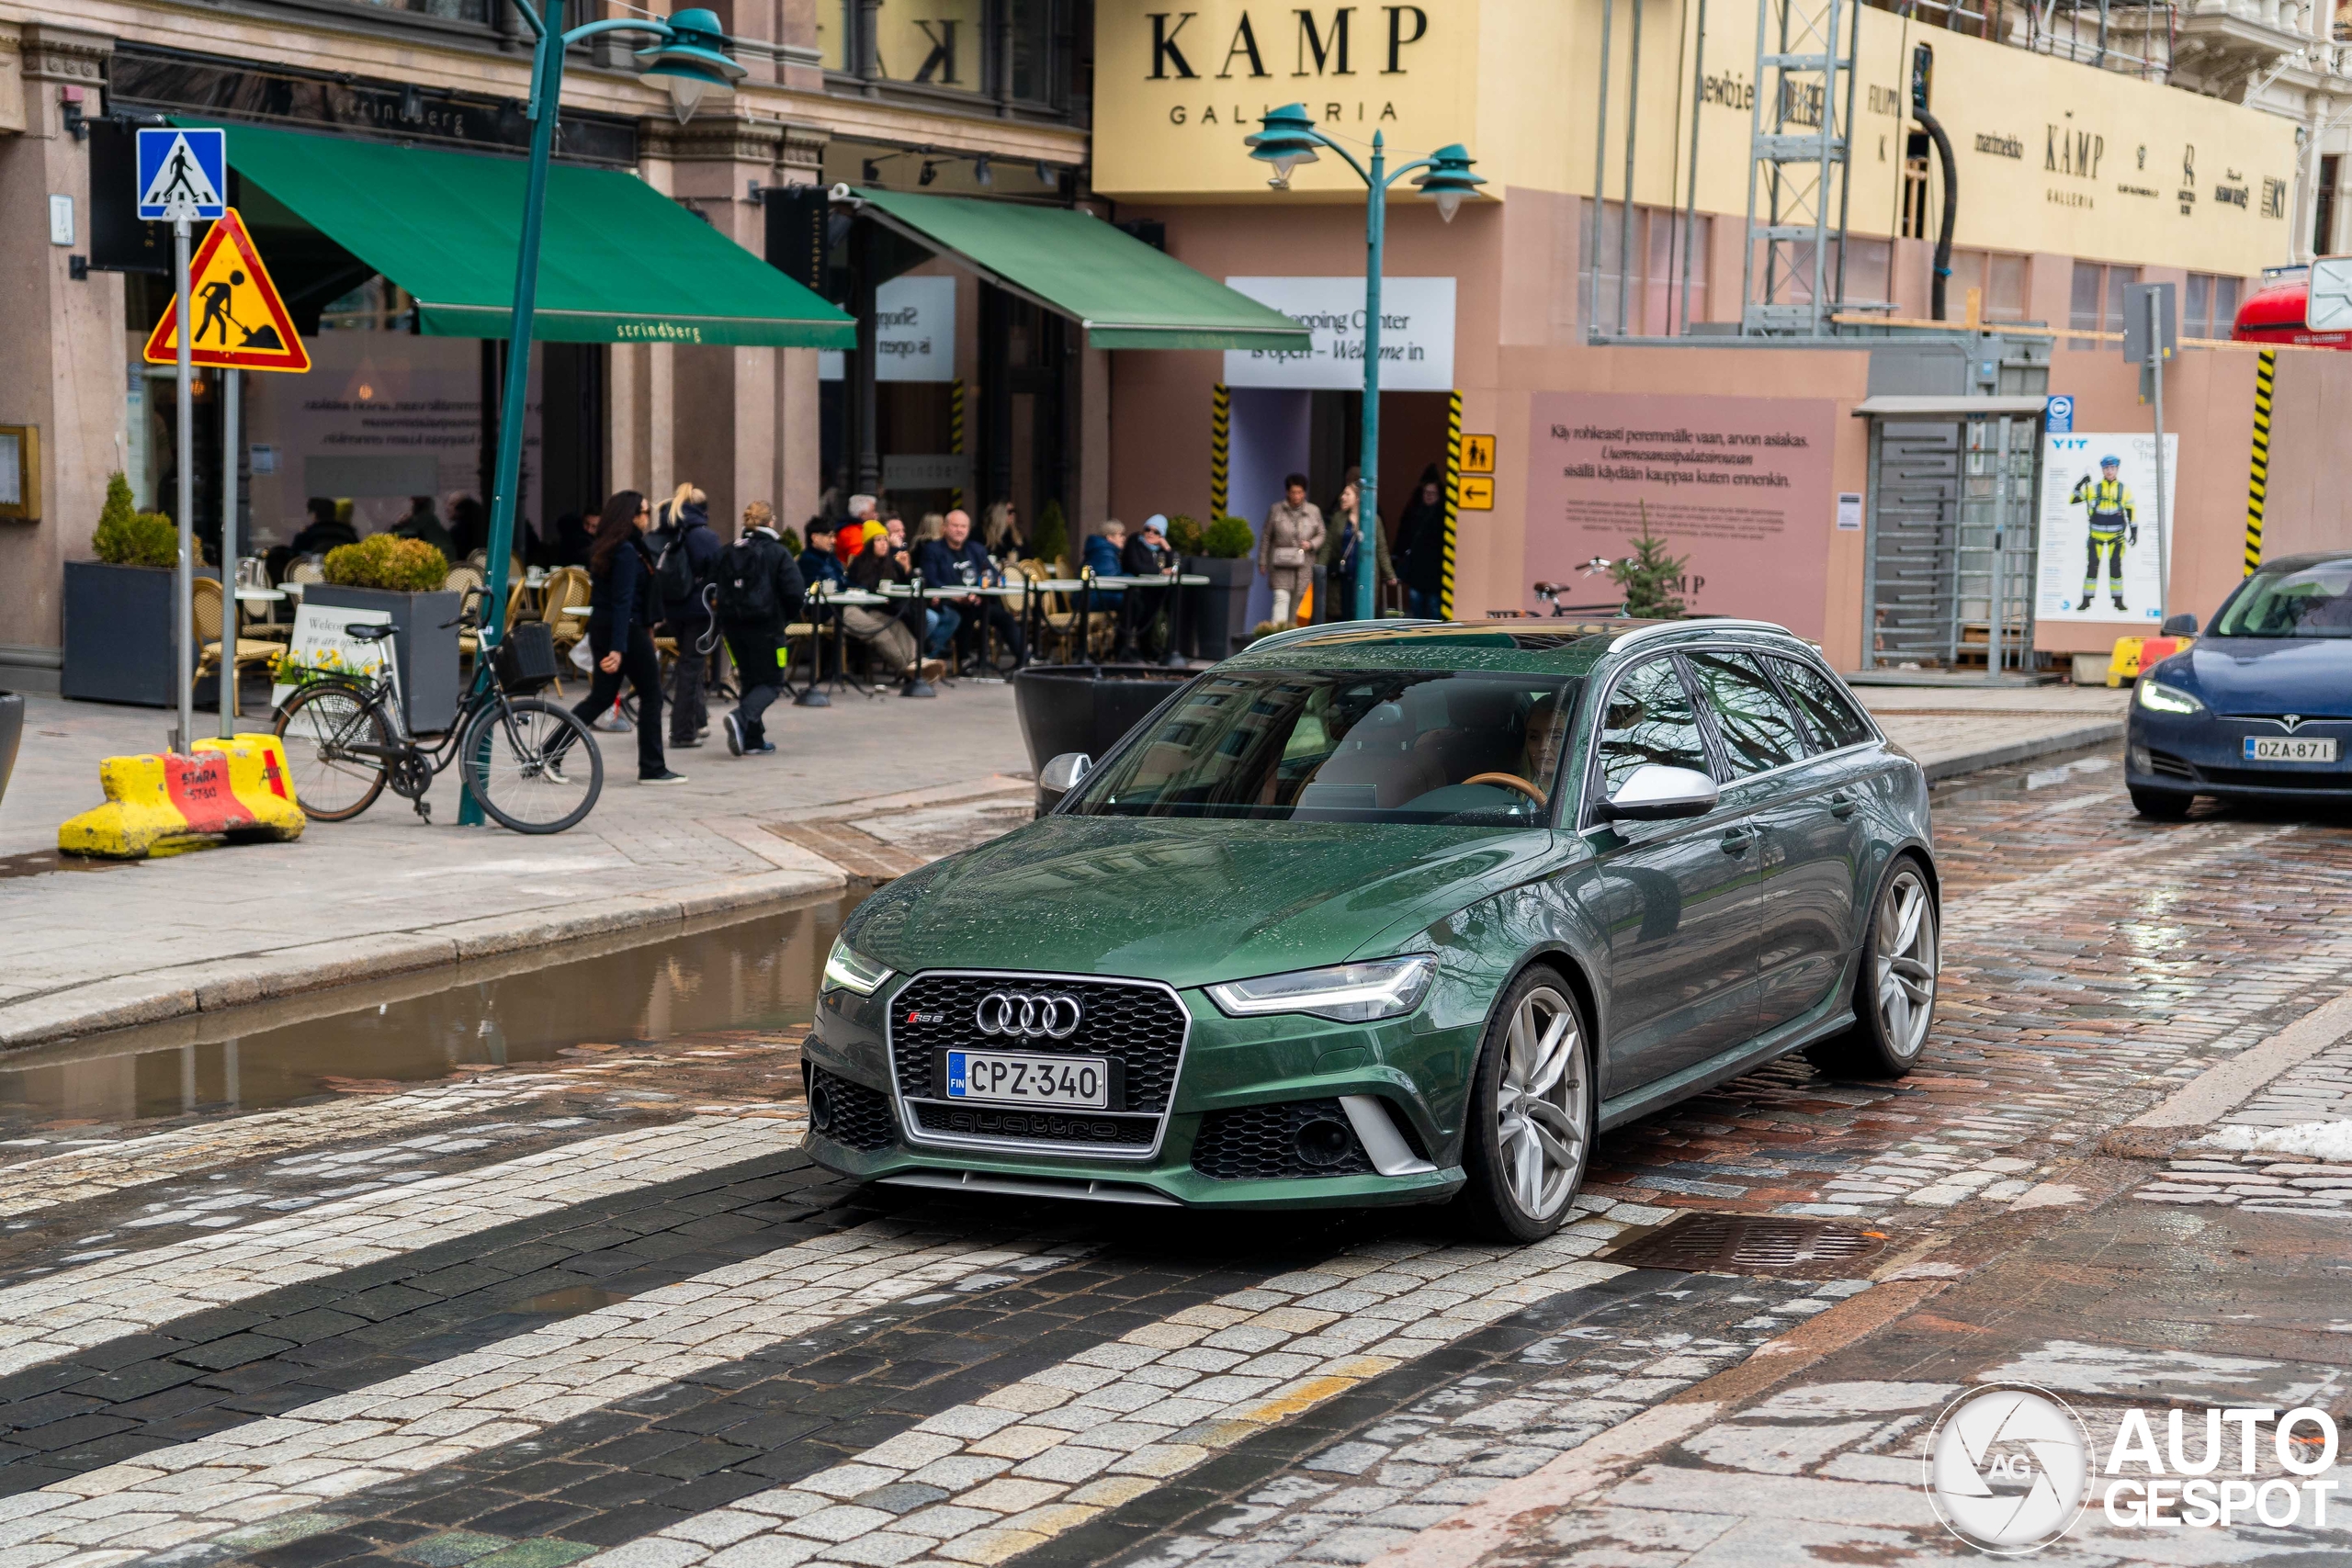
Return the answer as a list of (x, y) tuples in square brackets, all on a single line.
[(1286, 547), (622, 609), (1420, 548), (1343, 550), (685, 553), (757, 589)]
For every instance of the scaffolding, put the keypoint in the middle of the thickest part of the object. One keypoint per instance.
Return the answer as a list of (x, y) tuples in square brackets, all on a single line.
[(1793, 267), (2135, 37)]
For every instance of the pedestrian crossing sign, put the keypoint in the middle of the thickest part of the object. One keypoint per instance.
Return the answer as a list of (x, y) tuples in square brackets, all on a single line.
[(182, 172), (240, 323)]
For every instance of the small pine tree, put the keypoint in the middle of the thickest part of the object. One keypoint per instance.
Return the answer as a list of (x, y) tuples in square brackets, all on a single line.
[(1051, 539), (1648, 575), (120, 506)]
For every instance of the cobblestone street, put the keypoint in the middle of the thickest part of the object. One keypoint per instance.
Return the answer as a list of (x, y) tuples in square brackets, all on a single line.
[(597, 1306)]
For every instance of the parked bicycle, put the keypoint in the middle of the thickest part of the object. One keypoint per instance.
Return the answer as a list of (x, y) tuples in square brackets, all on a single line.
[(1550, 593), (530, 763)]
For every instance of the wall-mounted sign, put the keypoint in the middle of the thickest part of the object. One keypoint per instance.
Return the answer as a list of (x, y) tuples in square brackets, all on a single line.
[(1415, 334), (915, 335), (926, 470), (2098, 538), (1850, 512), (1477, 492), (1477, 453)]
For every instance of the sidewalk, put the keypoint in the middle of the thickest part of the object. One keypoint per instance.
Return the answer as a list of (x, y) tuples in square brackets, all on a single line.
[(102, 948), (863, 789), (1964, 730)]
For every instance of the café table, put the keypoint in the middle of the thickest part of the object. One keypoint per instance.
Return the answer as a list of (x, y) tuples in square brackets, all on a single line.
[(1169, 582), (836, 601)]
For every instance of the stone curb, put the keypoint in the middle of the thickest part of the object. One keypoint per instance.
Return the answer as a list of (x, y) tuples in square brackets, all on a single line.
[(2099, 734), (217, 984)]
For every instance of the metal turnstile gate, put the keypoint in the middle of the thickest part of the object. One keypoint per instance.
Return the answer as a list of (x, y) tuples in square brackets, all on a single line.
[(1949, 580)]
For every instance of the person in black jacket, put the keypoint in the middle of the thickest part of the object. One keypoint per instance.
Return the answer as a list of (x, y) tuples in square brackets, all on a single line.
[(1420, 548), (1147, 554), (759, 590), (686, 550), (622, 610), (956, 557)]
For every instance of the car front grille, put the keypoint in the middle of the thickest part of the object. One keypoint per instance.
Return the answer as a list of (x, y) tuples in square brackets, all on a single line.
[(1262, 1143), (2280, 777), (2170, 766), (1139, 1029), (849, 1114)]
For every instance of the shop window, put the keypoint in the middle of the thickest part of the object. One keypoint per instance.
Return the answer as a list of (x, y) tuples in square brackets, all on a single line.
[(1652, 299), (1999, 281), (2331, 171), (2208, 305), (987, 48), (2098, 302)]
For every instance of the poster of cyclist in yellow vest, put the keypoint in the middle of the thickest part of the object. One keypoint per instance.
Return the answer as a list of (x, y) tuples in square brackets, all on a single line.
[(2097, 534)]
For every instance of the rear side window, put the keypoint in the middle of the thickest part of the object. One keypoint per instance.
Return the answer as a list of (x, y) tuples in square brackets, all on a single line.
[(1758, 731), (1826, 708), (1649, 719)]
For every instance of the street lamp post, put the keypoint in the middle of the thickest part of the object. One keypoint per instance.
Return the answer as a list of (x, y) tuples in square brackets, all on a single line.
[(1288, 138), (689, 52)]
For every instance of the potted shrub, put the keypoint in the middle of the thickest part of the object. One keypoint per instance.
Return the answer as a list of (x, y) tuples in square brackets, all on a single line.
[(1086, 707), (402, 578), (119, 607), (1214, 613)]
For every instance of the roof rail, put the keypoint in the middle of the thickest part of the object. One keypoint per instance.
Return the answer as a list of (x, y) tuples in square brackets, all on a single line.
[(1297, 634), (1726, 623)]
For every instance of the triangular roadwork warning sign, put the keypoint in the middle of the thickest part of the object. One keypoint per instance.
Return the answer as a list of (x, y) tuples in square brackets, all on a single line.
[(241, 323)]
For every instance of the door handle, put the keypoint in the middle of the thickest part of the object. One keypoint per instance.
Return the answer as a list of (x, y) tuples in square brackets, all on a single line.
[(1734, 843), (1842, 805)]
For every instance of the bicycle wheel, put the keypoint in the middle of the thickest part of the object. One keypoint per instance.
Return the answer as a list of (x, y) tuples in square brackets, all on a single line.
[(534, 767), (317, 724)]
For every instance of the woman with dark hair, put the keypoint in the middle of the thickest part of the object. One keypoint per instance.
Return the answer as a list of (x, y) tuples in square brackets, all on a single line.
[(622, 606)]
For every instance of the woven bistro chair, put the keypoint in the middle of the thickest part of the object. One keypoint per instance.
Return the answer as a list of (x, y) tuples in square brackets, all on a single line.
[(252, 653)]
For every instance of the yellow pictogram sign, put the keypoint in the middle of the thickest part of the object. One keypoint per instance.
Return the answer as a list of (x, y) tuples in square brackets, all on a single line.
[(240, 323), (1477, 492), (1477, 453)]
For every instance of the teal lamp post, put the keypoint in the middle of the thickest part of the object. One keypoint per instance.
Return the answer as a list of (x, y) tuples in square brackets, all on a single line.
[(689, 51), (1289, 139)]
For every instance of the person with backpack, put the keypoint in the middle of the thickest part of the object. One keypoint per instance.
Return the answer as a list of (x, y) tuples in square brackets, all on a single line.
[(686, 550), (758, 588)]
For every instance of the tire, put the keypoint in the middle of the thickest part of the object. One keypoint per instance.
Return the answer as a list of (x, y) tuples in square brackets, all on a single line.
[(506, 760), (1895, 992), (314, 724), (1525, 1166), (2162, 805)]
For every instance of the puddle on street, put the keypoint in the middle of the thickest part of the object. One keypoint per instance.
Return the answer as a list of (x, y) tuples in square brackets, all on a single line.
[(578, 1299), (709, 978)]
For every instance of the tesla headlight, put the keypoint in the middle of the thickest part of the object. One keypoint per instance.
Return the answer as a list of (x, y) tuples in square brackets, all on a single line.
[(852, 971), (2157, 697), (1345, 992)]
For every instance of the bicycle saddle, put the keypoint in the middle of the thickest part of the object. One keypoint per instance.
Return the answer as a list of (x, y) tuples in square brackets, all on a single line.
[(368, 633)]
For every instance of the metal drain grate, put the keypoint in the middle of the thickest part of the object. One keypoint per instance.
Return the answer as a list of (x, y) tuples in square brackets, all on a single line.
[(1748, 1243)]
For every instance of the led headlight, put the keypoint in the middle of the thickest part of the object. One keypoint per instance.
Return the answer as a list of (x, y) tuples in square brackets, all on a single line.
[(852, 971), (2157, 697), (1345, 992)]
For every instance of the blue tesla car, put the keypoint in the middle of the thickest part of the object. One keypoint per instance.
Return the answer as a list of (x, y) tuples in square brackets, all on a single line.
[(2260, 708)]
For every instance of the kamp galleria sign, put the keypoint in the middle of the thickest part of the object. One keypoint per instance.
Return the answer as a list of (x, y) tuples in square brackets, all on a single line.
[(1180, 86)]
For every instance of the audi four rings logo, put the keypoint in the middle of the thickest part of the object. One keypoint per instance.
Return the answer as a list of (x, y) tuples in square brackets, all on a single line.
[(1017, 1013)]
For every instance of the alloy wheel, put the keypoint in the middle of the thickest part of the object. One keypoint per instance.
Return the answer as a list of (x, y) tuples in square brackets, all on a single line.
[(1542, 1103), (1905, 952)]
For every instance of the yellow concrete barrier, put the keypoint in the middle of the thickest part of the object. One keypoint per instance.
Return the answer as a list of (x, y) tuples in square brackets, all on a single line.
[(235, 791), (2133, 654)]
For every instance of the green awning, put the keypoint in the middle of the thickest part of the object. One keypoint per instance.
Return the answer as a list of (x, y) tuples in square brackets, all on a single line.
[(1124, 292), (618, 261)]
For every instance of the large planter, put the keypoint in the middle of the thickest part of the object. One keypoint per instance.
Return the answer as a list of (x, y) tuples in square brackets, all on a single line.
[(1217, 614), (428, 645), (119, 634), (1086, 707), (12, 729)]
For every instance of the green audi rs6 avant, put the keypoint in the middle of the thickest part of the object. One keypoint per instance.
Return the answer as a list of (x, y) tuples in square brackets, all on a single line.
[(1393, 913)]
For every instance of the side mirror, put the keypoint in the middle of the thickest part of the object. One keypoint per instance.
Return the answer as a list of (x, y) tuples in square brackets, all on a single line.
[(2182, 625), (1657, 794), (1058, 777)]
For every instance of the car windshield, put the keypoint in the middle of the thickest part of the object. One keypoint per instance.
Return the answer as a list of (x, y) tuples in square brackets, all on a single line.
[(1429, 746), (2302, 601)]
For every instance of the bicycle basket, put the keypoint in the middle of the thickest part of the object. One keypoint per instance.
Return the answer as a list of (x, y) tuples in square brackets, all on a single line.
[(525, 657)]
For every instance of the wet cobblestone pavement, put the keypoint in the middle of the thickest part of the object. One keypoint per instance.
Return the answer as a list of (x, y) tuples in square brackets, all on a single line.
[(599, 1307)]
